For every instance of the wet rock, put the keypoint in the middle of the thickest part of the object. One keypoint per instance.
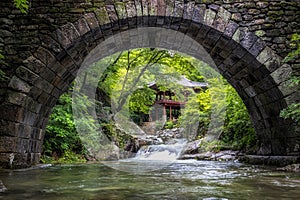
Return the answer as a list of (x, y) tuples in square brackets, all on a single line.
[(227, 155), (167, 134), (192, 147), (279, 161), (291, 168), (133, 145)]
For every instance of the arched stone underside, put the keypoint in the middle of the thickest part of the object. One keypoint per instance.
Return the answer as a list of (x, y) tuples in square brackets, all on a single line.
[(244, 59)]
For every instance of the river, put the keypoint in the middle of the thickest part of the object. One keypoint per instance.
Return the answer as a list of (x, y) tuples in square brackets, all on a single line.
[(181, 179)]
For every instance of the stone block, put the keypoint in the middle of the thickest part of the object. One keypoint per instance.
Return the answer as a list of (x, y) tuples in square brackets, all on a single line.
[(178, 9), (273, 63), (30, 118), (145, 9), (70, 32), (8, 144), (12, 113), (44, 56), (211, 39), (209, 17), (265, 55), (23, 146), (292, 98), (82, 26), (34, 64), (19, 85), (239, 70), (8, 128), (257, 47), (43, 85), (32, 105), (53, 46), (102, 16), (250, 91), (261, 73), (120, 8), (202, 33), (188, 10), (265, 84), (231, 29), (152, 21), (26, 74), (199, 13), (222, 19), (62, 39), (16, 98), (35, 158), (24, 131), (282, 73), (35, 93), (113, 17)]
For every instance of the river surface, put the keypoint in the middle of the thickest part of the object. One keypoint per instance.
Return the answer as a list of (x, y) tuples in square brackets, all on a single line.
[(182, 179)]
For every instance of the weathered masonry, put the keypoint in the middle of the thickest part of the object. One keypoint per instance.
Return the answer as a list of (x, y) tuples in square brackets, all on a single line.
[(44, 50)]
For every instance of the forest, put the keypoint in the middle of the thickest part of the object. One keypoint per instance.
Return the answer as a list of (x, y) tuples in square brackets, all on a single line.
[(122, 92)]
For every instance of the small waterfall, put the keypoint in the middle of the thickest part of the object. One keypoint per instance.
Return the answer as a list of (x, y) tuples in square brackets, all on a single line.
[(163, 152)]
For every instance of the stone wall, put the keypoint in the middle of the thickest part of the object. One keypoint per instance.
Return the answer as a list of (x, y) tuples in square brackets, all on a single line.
[(44, 48)]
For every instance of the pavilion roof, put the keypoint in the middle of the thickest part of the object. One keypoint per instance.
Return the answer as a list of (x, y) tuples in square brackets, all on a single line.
[(184, 82)]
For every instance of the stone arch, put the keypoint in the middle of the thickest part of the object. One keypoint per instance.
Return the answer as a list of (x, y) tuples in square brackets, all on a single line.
[(244, 59)]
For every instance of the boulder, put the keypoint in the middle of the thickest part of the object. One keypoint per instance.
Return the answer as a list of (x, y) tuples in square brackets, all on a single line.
[(192, 147)]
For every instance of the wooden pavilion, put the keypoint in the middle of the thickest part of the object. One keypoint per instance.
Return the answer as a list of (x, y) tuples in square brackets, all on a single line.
[(166, 100)]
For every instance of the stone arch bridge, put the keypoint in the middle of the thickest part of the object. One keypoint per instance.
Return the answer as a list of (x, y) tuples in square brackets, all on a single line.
[(45, 48)]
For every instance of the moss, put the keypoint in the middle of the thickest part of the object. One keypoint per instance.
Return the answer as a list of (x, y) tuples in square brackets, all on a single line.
[(207, 1), (77, 10), (275, 15), (102, 16), (121, 9), (260, 33), (91, 9)]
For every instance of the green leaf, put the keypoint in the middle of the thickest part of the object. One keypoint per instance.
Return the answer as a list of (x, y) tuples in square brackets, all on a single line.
[(22, 5)]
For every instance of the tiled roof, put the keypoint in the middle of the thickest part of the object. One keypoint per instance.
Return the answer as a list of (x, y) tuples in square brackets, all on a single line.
[(184, 82)]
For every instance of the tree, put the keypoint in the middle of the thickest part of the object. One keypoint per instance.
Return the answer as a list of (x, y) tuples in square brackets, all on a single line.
[(61, 136)]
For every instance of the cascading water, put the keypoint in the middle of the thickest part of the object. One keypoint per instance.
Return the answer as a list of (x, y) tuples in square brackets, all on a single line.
[(151, 157), (163, 152)]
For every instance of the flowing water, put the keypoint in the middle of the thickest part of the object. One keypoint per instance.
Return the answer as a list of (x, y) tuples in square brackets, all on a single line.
[(187, 179)]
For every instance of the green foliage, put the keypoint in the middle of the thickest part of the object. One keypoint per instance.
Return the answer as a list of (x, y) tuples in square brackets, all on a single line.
[(212, 146), (141, 100), (68, 157), (295, 44), (292, 112), (238, 129), (169, 125), (61, 137), (22, 5)]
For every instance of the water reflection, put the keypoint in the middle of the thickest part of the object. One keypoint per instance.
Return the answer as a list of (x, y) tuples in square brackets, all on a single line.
[(179, 180)]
